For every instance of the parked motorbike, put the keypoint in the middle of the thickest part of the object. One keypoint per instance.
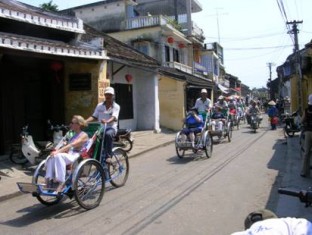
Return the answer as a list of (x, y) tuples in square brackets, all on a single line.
[(35, 152), (292, 124), (124, 139)]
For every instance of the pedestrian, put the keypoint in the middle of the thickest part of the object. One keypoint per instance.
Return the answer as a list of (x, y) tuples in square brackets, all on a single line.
[(273, 114), (265, 222), (203, 104), (107, 113), (307, 126)]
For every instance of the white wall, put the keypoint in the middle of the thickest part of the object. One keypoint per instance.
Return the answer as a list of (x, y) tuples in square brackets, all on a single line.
[(145, 99)]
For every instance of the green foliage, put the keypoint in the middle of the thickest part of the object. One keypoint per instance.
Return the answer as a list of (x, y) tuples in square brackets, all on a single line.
[(175, 24), (50, 6)]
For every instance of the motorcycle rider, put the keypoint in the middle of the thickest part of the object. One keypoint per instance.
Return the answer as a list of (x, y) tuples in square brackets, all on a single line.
[(107, 113), (203, 104), (253, 109)]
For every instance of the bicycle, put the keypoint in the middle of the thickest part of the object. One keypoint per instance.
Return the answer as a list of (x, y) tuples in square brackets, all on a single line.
[(86, 177)]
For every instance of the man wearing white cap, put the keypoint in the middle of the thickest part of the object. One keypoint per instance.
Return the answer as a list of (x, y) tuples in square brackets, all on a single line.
[(107, 113), (203, 104)]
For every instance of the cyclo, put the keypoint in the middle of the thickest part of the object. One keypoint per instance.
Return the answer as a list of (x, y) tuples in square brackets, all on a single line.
[(202, 141), (85, 178), (219, 126)]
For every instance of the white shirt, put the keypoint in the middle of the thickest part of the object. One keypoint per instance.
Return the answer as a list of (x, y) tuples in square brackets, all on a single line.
[(201, 105), (279, 226), (101, 112)]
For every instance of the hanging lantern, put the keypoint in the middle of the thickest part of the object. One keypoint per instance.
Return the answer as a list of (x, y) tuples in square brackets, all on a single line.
[(170, 40), (128, 78), (56, 67), (181, 45)]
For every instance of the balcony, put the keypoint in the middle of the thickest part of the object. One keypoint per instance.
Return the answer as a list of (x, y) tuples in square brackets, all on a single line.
[(146, 21), (179, 66)]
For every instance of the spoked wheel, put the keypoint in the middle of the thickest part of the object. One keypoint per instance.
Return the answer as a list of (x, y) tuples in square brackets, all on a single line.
[(180, 152), (229, 134), (119, 168), (39, 179), (89, 184), (208, 146), (16, 155)]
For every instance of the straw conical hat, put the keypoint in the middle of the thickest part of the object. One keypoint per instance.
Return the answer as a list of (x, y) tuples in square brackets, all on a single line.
[(271, 103)]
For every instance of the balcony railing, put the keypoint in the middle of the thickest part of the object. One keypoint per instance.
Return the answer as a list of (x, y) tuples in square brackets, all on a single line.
[(146, 21), (179, 66)]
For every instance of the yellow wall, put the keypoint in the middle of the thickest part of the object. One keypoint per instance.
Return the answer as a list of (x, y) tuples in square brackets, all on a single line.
[(171, 101), (84, 102)]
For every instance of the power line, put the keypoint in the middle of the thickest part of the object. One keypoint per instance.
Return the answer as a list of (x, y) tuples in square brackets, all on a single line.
[(258, 48)]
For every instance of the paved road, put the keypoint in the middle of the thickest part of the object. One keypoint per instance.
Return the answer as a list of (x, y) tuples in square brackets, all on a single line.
[(168, 195)]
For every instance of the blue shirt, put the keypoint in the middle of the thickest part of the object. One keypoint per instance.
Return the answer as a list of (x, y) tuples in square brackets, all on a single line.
[(191, 121)]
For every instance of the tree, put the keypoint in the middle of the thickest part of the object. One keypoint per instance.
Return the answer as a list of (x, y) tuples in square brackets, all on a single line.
[(49, 6)]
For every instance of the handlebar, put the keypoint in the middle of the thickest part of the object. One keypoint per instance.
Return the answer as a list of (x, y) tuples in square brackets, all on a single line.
[(304, 196), (57, 127)]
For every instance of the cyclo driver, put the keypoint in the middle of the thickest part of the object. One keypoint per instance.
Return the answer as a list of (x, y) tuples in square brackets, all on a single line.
[(203, 104)]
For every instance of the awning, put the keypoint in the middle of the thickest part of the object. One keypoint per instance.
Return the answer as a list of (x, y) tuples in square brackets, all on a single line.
[(223, 89)]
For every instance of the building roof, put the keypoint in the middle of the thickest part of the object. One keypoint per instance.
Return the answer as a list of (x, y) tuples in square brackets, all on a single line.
[(50, 47), (193, 81), (11, 9), (121, 52)]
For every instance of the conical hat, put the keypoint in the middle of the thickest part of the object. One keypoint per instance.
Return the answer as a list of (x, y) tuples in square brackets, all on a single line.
[(271, 103)]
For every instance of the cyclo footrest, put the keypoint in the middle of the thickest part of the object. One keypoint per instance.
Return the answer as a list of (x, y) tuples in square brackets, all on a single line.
[(27, 187)]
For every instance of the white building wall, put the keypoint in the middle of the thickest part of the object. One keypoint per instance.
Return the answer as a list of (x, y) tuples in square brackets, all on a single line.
[(145, 99)]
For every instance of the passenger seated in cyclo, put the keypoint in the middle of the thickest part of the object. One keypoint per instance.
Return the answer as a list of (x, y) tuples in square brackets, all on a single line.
[(194, 124), (58, 160), (223, 105), (232, 112), (217, 119)]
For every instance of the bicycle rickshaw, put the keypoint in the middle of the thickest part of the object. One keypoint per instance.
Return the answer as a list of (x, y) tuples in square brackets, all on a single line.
[(226, 131), (202, 141), (85, 178)]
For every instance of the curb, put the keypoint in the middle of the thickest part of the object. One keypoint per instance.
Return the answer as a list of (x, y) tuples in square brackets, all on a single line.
[(18, 193)]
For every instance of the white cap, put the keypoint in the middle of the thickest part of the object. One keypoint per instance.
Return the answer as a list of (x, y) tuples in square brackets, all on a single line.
[(109, 90), (203, 91), (310, 100), (221, 97)]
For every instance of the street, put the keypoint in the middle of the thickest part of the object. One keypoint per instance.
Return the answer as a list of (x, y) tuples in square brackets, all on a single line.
[(168, 195)]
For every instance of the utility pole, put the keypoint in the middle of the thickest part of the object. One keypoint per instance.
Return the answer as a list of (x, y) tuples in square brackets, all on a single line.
[(270, 64), (295, 31)]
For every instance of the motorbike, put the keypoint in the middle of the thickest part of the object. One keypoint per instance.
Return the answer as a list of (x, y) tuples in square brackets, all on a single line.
[(255, 121), (292, 124), (34, 152), (124, 139)]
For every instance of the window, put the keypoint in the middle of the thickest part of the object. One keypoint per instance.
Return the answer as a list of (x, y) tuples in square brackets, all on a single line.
[(167, 54), (124, 98), (176, 55)]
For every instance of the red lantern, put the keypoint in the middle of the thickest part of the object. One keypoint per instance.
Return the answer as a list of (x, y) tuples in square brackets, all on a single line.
[(181, 45), (170, 40), (56, 66), (128, 78)]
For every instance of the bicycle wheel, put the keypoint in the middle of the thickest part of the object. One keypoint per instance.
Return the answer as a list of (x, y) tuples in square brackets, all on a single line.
[(16, 155), (89, 184), (118, 169), (208, 146), (229, 134), (39, 175)]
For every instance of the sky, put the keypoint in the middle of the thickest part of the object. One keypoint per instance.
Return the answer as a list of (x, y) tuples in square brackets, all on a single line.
[(253, 33)]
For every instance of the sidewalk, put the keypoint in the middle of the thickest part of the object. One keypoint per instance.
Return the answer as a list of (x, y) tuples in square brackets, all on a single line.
[(10, 173)]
